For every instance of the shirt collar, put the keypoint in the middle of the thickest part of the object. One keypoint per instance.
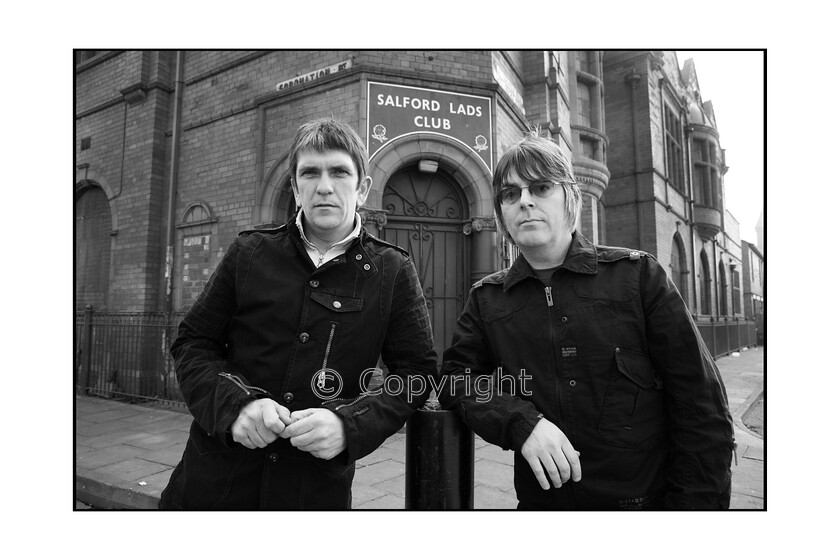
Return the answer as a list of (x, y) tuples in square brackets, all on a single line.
[(343, 244)]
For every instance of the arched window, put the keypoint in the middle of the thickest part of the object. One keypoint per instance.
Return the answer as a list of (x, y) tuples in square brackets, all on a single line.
[(722, 289), (705, 286), (92, 248), (196, 254), (679, 271)]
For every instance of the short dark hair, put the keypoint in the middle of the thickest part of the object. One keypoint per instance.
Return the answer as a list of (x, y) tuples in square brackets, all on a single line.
[(535, 158), (326, 134)]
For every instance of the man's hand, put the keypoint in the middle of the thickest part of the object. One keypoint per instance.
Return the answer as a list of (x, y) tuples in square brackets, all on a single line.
[(259, 423), (548, 448), (318, 431)]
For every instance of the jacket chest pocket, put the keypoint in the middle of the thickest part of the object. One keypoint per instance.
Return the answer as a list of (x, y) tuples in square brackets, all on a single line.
[(633, 413), (337, 303), (342, 334)]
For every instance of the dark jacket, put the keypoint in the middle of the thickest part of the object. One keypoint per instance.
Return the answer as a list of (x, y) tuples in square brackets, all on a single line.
[(610, 354), (266, 324)]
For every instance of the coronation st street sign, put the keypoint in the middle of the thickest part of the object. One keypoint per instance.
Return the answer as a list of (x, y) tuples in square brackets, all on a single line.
[(396, 111), (315, 74)]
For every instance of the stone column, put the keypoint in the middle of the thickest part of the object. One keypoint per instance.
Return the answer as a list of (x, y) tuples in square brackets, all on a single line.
[(484, 258)]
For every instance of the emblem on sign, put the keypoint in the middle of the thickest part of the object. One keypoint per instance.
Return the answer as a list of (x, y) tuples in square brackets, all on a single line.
[(480, 143), (379, 133)]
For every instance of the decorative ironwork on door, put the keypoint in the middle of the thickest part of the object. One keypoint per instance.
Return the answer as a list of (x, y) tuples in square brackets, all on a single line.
[(426, 214)]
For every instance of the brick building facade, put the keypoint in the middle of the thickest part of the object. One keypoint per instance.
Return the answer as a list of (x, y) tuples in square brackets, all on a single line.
[(178, 151)]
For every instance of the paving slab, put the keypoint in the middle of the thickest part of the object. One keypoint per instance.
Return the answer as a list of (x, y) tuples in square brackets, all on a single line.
[(488, 497)]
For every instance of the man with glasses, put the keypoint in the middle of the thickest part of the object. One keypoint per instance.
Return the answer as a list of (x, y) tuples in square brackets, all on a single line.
[(600, 381)]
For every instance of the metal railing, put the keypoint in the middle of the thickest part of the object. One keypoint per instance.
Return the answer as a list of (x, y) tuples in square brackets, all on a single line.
[(126, 355), (727, 335)]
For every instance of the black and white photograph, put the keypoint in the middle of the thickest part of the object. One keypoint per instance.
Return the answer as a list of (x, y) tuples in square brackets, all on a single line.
[(350, 290), (314, 280)]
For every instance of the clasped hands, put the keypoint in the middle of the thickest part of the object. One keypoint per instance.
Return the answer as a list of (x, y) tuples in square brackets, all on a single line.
[(317, 431)]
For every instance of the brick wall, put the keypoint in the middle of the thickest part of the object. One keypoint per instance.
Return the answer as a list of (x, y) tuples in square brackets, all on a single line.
[(235, 128), (127, 153)]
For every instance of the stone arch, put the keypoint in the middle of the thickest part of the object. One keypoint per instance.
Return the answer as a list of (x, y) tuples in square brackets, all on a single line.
[(274, 195), (197, 213), (679, 267), (88, 177), (93, 246), (462, 164)]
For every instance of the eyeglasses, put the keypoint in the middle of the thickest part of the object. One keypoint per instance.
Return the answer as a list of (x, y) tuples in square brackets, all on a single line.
[(541, 189)]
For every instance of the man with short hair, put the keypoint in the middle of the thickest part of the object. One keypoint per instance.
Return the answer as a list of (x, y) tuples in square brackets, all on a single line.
[(274, 356), (617, 403)]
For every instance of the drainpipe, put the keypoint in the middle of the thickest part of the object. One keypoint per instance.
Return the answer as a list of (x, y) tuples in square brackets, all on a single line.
[(633, 79), (172, 181)]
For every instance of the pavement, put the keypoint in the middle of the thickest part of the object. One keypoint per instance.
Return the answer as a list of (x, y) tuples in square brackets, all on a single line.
[(125, 453)]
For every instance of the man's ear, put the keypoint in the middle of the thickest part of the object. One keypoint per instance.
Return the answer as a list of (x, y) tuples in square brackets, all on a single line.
[(363, 190), (295, 191)]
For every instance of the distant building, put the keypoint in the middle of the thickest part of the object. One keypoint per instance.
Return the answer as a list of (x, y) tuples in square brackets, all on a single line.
[(753, 260), (178, 151), (666, 193)]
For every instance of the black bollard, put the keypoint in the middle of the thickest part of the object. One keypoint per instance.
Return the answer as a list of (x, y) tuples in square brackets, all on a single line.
[(439, 461)]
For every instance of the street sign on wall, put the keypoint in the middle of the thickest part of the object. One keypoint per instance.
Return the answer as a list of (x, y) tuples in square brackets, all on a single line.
[(396, 111)]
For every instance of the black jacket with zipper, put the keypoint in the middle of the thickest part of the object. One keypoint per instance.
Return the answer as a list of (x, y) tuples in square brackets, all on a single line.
[(610, 354), (271, 324)]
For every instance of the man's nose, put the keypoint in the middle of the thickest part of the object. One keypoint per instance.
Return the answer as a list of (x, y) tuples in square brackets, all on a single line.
[(525, 198), (324, 184)]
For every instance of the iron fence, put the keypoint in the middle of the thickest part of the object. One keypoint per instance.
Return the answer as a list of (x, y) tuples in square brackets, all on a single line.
[(126, 355), (727, 335)]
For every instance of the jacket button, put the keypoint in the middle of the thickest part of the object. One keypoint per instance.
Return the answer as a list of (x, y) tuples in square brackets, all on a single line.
[(358, 257), (564, 319), (304, 337), (289, 397), (617, 350), (314, 283), (367, 267), (337, 304), (572, 383), (273, 457)]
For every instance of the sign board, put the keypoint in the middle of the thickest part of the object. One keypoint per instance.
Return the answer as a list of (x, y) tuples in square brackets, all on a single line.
[(315, 74), (396, 111)]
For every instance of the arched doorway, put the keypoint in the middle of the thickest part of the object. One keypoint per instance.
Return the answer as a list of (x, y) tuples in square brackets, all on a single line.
[(92, 247), (426, 216)]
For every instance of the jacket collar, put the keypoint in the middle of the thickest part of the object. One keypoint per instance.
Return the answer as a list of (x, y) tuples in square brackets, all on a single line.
[(356, 250), (581, 259)]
